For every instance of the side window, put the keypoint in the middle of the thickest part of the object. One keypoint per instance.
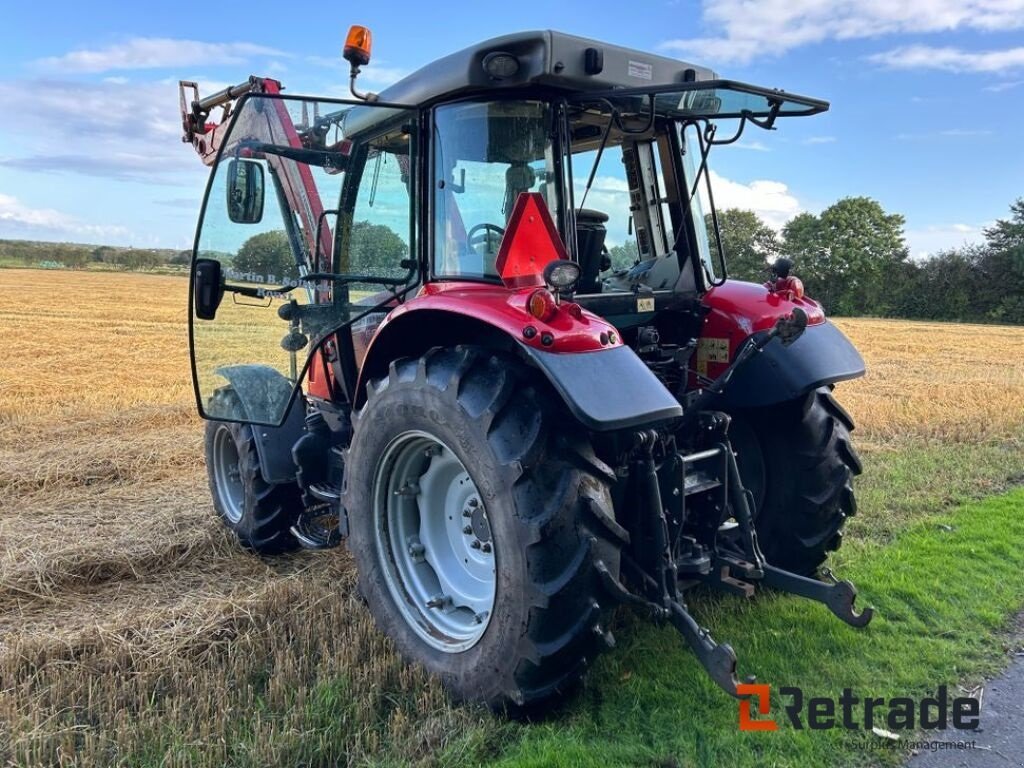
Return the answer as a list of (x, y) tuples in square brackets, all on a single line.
[(485, 155), (379, 240), (624, 220), (608, 199)]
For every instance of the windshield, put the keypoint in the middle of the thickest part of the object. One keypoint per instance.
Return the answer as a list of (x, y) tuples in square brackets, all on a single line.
[(485, 155)]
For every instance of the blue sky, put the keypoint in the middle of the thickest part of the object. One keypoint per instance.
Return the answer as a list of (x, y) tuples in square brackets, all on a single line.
[(927, 98)]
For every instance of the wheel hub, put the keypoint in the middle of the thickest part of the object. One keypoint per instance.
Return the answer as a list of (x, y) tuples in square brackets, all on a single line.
[(434, 542)]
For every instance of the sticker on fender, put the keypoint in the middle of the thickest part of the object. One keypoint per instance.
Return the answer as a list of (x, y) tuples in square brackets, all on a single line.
[(711, 350), (645, 305)]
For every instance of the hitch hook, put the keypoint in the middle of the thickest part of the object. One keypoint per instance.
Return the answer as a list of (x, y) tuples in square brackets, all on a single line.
[(838, 596), (718, 660)]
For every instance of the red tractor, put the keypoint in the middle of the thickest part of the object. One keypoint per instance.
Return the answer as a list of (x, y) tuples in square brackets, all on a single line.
[(409, 332)]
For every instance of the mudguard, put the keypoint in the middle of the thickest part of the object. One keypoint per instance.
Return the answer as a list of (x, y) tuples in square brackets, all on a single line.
[(608, 389), (260, 390), (823, 355)]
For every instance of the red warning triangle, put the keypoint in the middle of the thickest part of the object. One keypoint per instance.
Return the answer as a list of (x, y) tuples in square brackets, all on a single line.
[(530, 242)]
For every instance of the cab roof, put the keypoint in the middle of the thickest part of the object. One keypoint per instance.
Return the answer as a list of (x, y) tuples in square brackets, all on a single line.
[(547, 59)]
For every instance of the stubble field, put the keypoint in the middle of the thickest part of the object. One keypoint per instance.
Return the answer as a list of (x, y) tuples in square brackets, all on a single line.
[(133, 630)]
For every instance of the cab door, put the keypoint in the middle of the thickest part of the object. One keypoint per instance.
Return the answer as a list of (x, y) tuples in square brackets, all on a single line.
[(303, 233)]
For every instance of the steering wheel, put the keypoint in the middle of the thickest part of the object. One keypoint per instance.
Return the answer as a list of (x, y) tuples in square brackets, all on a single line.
[(484, 234)]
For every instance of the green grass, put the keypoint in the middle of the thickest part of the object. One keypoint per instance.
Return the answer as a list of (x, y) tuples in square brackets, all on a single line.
[(944, 579)]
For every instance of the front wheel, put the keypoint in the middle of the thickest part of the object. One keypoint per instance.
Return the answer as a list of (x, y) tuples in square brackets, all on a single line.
[(475, 527), (259, 513), (798, 461)]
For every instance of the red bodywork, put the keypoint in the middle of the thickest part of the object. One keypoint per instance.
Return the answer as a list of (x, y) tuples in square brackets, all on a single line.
[(739, 309)]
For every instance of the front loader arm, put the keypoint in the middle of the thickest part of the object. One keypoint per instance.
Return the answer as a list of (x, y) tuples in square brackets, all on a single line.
[(298, 188)]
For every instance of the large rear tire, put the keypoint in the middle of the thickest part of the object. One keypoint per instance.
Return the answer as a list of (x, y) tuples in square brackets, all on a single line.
[(798, 461), (259, 513), (458, 456)]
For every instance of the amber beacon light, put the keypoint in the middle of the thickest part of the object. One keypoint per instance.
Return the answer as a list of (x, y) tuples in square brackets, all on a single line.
[(357, 45)]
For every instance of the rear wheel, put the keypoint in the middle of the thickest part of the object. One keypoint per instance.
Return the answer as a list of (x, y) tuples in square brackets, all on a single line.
[(475, 527), (259, 513), (798, 461)]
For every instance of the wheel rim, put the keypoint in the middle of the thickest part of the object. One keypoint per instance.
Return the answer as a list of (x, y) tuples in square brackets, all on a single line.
[(434, 542), (227, 476)]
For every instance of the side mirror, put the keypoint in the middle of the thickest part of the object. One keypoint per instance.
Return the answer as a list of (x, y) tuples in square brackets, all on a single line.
[(245, 191), (207, 288)]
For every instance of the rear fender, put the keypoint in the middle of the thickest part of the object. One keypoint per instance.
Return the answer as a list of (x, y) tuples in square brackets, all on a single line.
[(823, 355), (602, 382), (256, 386)]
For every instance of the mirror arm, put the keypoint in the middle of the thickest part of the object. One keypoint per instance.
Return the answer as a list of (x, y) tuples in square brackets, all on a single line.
[(321, 158)]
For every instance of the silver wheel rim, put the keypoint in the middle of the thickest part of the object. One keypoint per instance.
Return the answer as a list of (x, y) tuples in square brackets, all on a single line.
[(434, 542), (227, 476)]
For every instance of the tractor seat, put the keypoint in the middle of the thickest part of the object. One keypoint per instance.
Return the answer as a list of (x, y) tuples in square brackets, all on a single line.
[(590, 234)]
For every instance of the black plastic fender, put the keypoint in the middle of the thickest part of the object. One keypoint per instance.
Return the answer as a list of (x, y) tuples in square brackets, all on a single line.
[(257, 387), (822, 355), (608, 389)]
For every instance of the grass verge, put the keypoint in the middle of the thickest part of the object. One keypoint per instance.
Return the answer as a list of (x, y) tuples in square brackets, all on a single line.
[(943, 591)]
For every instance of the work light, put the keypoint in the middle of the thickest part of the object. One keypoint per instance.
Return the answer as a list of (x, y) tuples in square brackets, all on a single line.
[(562, 275)]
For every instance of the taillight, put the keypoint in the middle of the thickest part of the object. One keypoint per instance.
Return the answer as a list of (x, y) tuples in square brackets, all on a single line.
[(796, 287), (541, 304)]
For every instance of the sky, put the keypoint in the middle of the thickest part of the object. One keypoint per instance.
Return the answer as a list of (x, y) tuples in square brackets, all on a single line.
[(927, 99)]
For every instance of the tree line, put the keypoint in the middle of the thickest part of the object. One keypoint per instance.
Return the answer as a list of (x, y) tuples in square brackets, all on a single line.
[(853, 258), (79, 256)]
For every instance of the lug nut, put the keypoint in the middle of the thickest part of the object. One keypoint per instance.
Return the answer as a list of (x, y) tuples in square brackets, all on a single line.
[(486, 547), (474, 503), (467, 530), (475, 544)]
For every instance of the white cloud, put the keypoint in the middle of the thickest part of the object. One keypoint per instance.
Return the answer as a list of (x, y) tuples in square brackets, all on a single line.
[(116, 130), (927, 241), (1004, 86), (820, 140), (746, 29), (155, 52), (17, 218), (950, 59), (756, 146), (771, 200)]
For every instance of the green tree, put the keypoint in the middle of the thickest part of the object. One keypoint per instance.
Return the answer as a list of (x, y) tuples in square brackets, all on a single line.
[(748, 242), (267, 254), (375, 249), (1007, 234), (848, 255), (1000, 288), (624, 256), (938, 288)]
